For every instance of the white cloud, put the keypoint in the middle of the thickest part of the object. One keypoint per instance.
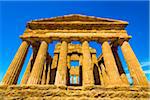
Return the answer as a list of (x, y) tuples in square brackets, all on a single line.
[(145, 63), (147, 72)]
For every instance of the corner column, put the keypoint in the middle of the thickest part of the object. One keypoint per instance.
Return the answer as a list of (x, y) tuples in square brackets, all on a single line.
[(110, 64), (87, 68), (61, 74), (136, 72), (35, 76), (15, 67)]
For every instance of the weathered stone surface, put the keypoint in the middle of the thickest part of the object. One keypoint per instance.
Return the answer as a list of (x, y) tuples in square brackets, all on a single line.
[(12, 74), (87, 68), (105, 77), (68, 62), (119, 66), (110, 64), (74, 37), (55, 61), (61, 74), (134, 67), (52, 92), (74, 70), (49, 70), (27, 72), (44, 76), (101, 78), (73, 48), (35, 76)]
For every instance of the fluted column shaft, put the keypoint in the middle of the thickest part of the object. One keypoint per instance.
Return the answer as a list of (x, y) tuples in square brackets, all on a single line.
[(61, 74), (104, 75), (27, 71), (54, 62), (119, 65), (136, 72), (49, 71), (15, 67), (110, 64), (44, 74), (35, 76), (87, 68)]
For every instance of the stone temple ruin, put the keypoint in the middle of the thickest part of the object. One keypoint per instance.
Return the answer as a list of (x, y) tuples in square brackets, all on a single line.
[(104, 73)]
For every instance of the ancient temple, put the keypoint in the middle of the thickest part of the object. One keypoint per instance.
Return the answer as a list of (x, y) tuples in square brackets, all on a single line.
[(90, 70)]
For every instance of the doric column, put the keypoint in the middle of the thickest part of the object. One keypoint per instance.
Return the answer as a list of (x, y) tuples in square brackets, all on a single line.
[(80, 60), (87, 68), (54, 62), (35, 76), (110, 64), (105, 77), (49, 71), (100, 75), (119, 65), (44, 75), (28, 71), (15, 67), (61, 74), (136, 72), (68, 62)]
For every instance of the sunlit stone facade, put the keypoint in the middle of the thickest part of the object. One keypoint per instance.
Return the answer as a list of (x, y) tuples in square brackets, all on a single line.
[(106, 70)]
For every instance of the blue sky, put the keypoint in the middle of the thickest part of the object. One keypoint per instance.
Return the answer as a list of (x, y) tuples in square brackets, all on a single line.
[(15, 15)]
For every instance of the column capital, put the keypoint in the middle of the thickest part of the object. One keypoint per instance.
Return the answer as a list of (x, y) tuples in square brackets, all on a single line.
[(83, 40)]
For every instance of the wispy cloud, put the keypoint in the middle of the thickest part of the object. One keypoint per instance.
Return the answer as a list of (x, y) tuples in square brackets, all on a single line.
[(147, 72), (146, 63)]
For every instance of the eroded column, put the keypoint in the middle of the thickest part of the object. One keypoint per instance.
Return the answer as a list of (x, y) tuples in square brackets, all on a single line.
[(87, 68), (27, 71), (55, 60), (49, 70), (119, 65), (15, 67), (44, 75), (110, 64), (35, 76), (136, 72), (106, 80), (61, 74)]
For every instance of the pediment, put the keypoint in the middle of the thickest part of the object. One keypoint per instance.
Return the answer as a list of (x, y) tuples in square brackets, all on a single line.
[(77, 18), (76, 22)]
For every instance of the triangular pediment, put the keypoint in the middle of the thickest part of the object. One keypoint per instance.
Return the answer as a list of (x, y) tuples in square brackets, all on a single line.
[(76, 18)]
